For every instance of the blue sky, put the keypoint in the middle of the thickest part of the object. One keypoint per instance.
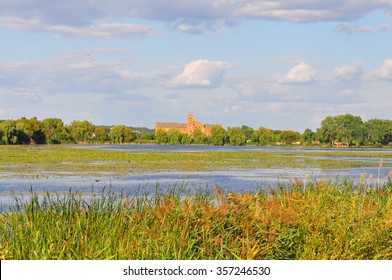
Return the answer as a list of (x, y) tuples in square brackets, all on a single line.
[(278, 64)]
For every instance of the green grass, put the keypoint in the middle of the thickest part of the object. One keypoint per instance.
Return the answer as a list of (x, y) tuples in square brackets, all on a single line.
[(313, 220)]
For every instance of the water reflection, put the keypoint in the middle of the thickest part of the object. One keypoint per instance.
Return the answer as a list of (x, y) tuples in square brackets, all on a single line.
[(231, 181)]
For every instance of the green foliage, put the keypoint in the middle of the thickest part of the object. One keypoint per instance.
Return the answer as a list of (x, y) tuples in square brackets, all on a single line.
[(174, 136), (308, 135), (120, 134), (186, 139), (82, 131), (55, 131), (264, 136), (11, 134), (236, 136), (290, 136), (101, 135), (342, 128), (32, 130), (161, 136), (378, 131), (218, 135), (248, 131), (199, 137)]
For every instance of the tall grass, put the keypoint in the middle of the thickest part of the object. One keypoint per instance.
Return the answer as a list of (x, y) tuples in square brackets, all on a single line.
[(312, 220)]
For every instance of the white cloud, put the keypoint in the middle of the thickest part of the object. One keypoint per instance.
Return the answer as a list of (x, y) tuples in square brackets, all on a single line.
[(348, 73), (349, 29), (301, 73), (201, 73), (385, 72), (94, 31), (77, 72), (202, 14)]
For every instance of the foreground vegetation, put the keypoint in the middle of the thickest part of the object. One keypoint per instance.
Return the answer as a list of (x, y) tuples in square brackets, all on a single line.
[(311, 220)]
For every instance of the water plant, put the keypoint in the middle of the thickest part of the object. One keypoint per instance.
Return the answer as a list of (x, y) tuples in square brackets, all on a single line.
[(319, 220)]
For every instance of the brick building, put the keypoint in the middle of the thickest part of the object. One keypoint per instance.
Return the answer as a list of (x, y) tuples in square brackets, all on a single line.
[(186, 128)]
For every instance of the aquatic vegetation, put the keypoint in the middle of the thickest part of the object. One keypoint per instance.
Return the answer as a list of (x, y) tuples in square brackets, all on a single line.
[(73, 159), (311, 220)]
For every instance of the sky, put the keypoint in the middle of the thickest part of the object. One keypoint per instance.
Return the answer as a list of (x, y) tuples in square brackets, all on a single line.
[(281, 64)]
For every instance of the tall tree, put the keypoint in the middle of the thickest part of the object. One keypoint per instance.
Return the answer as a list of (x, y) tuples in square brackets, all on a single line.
[(248, 131), (11, 135), (290, 136), (236, 136), (198, 136), (308, 135), (100, 134), (161, 136), (32, 128), (120, 134), (174, 136), (82, 131), (342, 128), (218, 135), (55, 131), (377, 131), (264, 136)]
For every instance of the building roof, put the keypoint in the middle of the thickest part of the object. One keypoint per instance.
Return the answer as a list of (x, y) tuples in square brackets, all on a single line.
[(170, 125)]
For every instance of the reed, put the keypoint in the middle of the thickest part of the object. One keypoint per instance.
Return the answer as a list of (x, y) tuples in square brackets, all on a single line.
[(319, 220)]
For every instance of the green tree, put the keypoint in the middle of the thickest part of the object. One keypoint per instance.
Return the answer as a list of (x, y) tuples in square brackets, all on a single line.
[(198, 137), (186, 139), (11, 135), (100, 134), (120, 134), (55, 131), (82, 131), (248, 131), (377, 131), (308, 135), (236, 136), (342, 128), (174, 136), (161, 136), (32, 128), (218, 135), (350, 129), (290, 136), (264, 136)]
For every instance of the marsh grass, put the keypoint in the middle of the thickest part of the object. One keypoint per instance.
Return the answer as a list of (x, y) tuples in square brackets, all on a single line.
[(70, 160), (302, 220)]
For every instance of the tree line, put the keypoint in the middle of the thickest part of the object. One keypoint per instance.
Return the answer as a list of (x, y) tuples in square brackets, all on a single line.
[(54, 131), (348, 129)]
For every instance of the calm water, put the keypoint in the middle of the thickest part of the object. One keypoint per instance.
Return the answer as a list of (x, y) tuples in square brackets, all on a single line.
[(235, 180)]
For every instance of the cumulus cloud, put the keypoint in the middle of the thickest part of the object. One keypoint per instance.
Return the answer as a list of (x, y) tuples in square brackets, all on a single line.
[(201, 73), (348, 73), (95, 31), (301, 73)]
